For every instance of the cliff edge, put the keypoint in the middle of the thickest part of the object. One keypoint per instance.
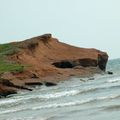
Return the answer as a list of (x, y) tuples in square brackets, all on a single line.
[(46, 59)]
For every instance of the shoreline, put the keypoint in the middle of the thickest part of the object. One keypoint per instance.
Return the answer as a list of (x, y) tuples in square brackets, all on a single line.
[(45, 60), (8, 87)]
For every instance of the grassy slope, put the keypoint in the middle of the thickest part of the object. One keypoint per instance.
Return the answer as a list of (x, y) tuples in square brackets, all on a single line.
[(5, 65)]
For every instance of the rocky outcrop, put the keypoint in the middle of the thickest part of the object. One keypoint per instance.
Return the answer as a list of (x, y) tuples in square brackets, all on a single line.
[(102, 61), (46, 59), (7, 87), (49, 57), (33, 83), (49, 84), (5, 91), (110, 72)]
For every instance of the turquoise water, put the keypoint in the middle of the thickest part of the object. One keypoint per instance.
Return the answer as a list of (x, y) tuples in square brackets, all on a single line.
[(70, 100)]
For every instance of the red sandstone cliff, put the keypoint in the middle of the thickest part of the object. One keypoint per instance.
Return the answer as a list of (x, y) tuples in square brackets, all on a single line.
[(49, 59)]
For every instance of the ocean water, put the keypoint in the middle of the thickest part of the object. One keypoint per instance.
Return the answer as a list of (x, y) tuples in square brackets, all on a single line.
[(75, 99)]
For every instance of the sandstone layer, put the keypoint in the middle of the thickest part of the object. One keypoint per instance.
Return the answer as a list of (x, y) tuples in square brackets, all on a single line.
[(44, 58)]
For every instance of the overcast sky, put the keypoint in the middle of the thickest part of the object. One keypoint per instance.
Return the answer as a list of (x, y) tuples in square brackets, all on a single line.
[(84, 23)]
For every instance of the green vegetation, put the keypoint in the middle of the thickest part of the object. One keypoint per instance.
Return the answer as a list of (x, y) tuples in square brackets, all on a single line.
[(5, 65), (8, 49)]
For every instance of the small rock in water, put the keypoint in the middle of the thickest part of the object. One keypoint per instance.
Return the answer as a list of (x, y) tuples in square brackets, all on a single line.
[(82, 80), (49, 84), (91, 78), (110, 73), (33, 83)]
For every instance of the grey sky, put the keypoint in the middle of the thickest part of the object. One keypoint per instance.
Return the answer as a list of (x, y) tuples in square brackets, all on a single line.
[(84, 23)]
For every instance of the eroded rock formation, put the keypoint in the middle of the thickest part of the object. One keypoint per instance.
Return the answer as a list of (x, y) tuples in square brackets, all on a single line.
[(46, 59)]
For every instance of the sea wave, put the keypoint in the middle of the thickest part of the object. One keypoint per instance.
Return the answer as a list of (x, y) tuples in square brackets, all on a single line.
[(10, 111), (7, 101), (74, 103), (59, 94), (112, 108), (57, 105), (25, 118), (113, 80), (73, 92), (21, 99)]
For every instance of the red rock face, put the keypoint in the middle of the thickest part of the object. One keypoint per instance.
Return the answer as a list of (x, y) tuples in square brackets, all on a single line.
[(5, 91), (50, 60), (49, 57)]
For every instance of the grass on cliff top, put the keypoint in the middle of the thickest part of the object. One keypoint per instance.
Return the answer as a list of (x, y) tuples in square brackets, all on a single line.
[(8, 49), (9, 67), (5, 65)]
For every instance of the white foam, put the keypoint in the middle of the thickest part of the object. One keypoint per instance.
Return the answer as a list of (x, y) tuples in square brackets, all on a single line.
[(12, 101), (59, 94), (7, 101), (44, 96), (113, 80), (73, 103), (66, 104), (26, 118), (10, 111), (107, 97)]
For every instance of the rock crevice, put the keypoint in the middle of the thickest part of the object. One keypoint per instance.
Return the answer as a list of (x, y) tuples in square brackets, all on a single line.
[(85, 62)]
